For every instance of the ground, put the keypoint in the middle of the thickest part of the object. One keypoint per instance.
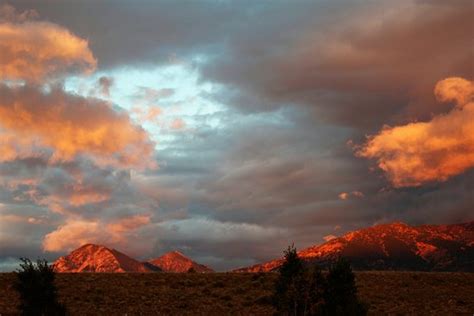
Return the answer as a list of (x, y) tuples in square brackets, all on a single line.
[(395, 293)]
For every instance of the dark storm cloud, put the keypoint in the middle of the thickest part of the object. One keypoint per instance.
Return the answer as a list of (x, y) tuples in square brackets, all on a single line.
[(375, 66), (144, 32)]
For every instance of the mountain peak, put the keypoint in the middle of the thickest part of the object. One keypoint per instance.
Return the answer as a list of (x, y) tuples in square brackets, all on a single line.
[(396, 224), (91, 247), (175, 261), (175, 253), (97, 258)]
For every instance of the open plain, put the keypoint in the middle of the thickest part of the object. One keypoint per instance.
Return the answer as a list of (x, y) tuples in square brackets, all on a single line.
[(391, 293)]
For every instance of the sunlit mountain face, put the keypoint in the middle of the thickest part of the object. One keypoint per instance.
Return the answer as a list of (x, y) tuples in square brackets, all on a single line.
[(394, 246), (229, 130), (92, 258)]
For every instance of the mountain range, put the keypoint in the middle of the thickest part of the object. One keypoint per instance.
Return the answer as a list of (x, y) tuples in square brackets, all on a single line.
[(98, 258), (394, 246)]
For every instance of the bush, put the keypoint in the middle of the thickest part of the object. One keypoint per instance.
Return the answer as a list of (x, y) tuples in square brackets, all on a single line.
[(303, 291), (38, 294)]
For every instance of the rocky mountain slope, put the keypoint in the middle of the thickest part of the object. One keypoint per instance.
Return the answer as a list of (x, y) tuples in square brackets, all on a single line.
[(175, 261), (395, 246), (97, 258)]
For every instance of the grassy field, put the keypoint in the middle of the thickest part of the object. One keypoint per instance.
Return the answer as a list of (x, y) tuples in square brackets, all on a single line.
[(393, 293)]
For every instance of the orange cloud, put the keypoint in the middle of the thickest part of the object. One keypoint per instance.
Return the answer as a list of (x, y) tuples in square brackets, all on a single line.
[(436, 150), (343, 195), (77, 232), (83, 198), (151, 114), (74, 234), (346, 195), (72, 197), (34, 51), (129, 223), (178, 124), (69, 125)]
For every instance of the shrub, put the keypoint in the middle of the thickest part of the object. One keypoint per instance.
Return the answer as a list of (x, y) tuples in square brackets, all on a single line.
[(35, 285)]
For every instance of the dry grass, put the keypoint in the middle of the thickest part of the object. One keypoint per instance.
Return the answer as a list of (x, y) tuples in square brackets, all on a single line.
[(244, 294)]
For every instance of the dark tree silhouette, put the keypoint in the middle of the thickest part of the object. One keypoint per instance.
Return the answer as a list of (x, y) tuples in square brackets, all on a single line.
[(300, 290), (317, 286), (288, 298), (38, 294), (340, 294)]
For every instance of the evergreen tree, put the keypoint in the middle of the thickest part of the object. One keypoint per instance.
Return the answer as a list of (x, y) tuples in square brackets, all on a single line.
[(303, 291), (340, 294), (291, 284), (317, 286)]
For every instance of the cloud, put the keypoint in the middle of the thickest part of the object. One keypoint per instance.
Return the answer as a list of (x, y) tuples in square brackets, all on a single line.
[(150, 114), (456, 90), (178, 124), (212, 230), (129, 223), (420, 152), (150, 95), (37, 123), (344, 71), (9, 13), (105, 83), (74, 234), (329, 237), (35, 51), (77, 232), (343, 195), (346, 195)]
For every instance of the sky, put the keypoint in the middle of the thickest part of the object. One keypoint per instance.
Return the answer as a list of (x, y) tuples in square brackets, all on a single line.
[(228, 130)]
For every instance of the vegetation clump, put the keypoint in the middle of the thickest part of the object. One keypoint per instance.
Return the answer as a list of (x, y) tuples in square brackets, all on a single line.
[(301, 290), (38, 293)]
